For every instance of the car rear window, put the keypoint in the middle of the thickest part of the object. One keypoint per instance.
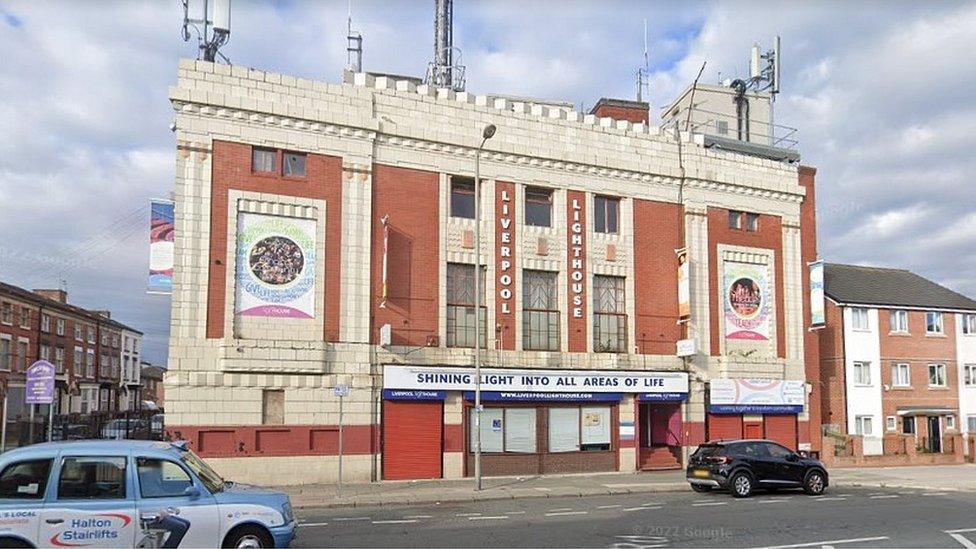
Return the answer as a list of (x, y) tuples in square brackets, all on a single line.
[(708, 450), (25, 479)]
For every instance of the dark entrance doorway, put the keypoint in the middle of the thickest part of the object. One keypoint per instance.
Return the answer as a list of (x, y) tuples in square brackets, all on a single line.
[(660, 435), (935, 435)]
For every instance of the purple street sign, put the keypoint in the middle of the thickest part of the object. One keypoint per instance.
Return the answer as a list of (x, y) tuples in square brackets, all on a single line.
[(40, 383)]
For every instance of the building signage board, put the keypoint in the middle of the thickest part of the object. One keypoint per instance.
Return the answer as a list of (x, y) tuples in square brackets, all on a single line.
[(438, 378), (756, 396), (496, 396), (576, 271), (275, 266), (817, 312), (161, 233), (663, 397), (747, 301), (506, 269), (684, 284), (412, 394), (687, 347), (40, 383)]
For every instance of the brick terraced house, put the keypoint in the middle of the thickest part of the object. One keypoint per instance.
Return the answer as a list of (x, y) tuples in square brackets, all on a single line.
[(325, 236), (898, 356)]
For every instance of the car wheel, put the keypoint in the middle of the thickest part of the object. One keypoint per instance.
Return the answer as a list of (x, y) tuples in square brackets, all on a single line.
[(248, 537), (815, 483), (701, 488), (14, 542), (741, 484)]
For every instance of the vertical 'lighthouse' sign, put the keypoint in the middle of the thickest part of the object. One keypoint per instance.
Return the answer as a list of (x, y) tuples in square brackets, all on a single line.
[(576, 269)]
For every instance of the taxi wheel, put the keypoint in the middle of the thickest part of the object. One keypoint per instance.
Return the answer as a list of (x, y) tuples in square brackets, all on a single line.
[(248, 537)]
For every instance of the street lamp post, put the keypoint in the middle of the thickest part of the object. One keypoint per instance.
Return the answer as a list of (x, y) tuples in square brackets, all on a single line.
[(486, 134)]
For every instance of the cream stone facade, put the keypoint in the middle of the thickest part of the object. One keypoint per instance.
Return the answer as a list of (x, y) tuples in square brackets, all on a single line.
[(217, 387)]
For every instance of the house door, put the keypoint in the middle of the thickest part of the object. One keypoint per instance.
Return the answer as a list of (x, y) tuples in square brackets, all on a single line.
[(660, 435), (935, 435)]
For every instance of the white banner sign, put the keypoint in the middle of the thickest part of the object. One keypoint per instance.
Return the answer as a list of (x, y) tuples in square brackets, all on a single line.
[(747, 301), (817, 313), (757, 392), (275, 266), (504, 379)]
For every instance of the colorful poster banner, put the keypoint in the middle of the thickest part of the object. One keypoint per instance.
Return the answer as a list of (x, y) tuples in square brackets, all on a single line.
[(275, 266), (40, 383), (161, 233), (747, 301), (684, 285), (756, 392), (817, 312)]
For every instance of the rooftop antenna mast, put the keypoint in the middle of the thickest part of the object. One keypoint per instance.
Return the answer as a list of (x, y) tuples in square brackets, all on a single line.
[(212, 27), (354, 46), (643, 73), (445, 71), (764, 75)]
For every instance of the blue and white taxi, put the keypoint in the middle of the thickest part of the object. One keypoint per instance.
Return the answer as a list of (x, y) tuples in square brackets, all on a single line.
[(132, 493)]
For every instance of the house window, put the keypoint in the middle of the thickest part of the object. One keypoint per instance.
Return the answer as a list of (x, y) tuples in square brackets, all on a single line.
[(24, 317), (59, 359), (908, 425), (969, 375), (722, 127), (540, 311), (264, 160), (460, 306), (934, 323), (79, 358), (90, 364), (59, 327), (6, 354), (538, 206), (969, 324), (859, 319), (891, 423), (606, 212), (22, 355), (115, 341), (735, 220), (864, 425), (950, 422), (752, 222), (937, 375), (862, 373), (293, 164), (91, 335), (609, 315), (899, 322), (6, 313), (511, 430), (971, 424), (45, 323), (45, 352), (78, 336), (104, 339), (462, 197), (901, 375)]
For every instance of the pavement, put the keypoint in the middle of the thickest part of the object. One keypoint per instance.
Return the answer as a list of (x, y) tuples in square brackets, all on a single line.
[(946, 478), (843, 518)]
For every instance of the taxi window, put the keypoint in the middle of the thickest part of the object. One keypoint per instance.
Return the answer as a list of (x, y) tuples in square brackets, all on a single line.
[(25, 479), (92, 478), (160, 478)]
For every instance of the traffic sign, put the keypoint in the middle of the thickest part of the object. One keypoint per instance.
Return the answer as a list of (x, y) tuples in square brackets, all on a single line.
[(341, 390)]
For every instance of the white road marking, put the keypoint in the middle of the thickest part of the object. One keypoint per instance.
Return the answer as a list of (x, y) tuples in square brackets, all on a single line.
[(608, 506), (829, 542), (514, 512), (499, 517), (777, 500), (560, 509), (350, 518), (402, 521), (709, 504), (960, 530), (468, 515), (964, 541), (933, 493), (418, 517), (566, 513), (889, 496), (629, 509), (307, 524), (839, 498)]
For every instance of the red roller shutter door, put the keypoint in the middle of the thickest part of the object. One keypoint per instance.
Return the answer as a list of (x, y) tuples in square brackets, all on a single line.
[(412, 439), (781, 428), (724, 426)]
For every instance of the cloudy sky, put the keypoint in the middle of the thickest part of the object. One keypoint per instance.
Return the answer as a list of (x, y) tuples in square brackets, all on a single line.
[(882, 94)]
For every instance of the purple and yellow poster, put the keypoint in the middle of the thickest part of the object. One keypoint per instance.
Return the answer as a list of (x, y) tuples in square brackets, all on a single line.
[(161, 232), (747, 305)]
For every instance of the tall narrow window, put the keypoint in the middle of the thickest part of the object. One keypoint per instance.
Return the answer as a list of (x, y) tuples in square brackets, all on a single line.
[(45, 323), (934, 323), (264, 160), (6, 354), (609, 315), (294, 164), (752, 222), (900, 375), (859, 319), (6, 313), (24, 317), (937, 375), (899, 321), (540, 311), (460, 306), (735, 220), (969, 375), (538, 206), (862, 373), (969, 324), (462, 197), (606, 212), (22, 355)]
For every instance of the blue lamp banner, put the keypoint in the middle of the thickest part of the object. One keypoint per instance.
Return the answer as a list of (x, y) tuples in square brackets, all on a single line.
[(161, 233)]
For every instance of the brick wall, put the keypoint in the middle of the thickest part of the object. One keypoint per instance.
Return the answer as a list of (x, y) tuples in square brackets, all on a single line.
[(657, 227), (811, 338), (232, 170), (833, 395), (410, 199)]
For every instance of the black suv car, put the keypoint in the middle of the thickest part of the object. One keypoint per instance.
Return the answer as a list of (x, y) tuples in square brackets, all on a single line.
[(742, 466)]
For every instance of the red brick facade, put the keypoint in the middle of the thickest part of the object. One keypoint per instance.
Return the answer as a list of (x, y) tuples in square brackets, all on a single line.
[(657, 234)]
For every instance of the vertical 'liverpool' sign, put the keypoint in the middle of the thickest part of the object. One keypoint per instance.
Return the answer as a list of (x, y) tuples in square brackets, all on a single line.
[(505, 264)]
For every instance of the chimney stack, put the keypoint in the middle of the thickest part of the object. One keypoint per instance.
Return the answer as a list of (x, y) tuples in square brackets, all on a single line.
[(622, 109), (58, 295)]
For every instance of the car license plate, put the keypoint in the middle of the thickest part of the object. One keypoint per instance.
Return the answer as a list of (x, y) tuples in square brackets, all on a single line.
[(701, 473)]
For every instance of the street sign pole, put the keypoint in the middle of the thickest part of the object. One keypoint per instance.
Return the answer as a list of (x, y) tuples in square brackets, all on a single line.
[(340, 391), (3, 428)]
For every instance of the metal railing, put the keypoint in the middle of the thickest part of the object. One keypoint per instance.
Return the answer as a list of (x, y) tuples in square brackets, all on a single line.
[(725, 125), (129, 424)]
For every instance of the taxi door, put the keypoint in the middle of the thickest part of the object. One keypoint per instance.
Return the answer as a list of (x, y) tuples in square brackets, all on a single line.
[(173, 510), (92, 504), (23, 485)]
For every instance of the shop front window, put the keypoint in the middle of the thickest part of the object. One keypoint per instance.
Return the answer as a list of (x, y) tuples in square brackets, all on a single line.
[(460, 306), (508, 430), (540, 311), (564, 432), (609, 315)]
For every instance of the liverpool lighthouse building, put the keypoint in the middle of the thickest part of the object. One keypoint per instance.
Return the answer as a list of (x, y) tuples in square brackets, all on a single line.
[(641, 290)]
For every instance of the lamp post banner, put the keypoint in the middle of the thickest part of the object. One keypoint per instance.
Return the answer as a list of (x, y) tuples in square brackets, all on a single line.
[(40, 383), (510, 380)]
